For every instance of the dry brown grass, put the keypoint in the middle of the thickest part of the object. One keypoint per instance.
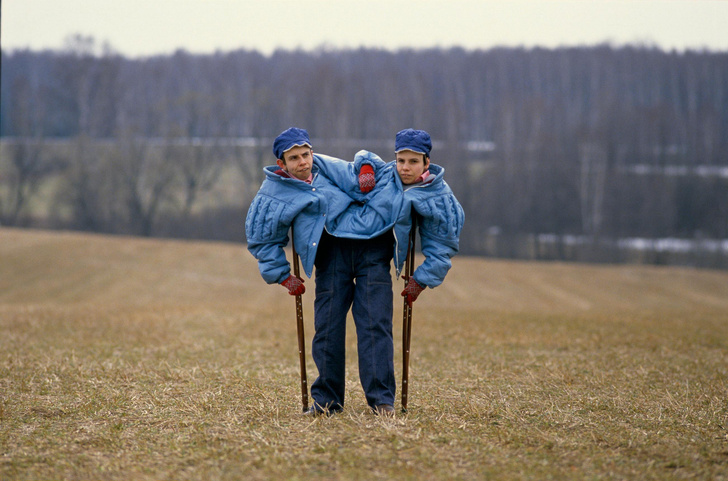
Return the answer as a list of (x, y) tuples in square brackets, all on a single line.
[(124, 358)]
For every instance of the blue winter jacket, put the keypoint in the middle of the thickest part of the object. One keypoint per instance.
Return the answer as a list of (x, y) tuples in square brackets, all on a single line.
[(440, 218), (332, 201), (440, 221)]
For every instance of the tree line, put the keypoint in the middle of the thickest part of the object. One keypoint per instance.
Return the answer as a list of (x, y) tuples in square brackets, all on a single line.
[(601, 142)]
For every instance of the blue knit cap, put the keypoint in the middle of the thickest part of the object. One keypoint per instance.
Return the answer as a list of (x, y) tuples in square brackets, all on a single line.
[(288, 139), (414, 140)]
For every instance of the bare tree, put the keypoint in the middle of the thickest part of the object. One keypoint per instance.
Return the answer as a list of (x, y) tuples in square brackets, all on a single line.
[(22, 179), (25, 166), (86, 187), (593, 178), (146, 182), (251, 157), (198, 163)]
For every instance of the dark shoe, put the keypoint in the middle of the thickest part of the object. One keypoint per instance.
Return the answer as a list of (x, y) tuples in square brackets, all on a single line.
[(320, 411), (386, 410)]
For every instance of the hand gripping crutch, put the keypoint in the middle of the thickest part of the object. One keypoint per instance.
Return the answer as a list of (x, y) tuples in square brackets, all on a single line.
[(299, 327), (409, 268)]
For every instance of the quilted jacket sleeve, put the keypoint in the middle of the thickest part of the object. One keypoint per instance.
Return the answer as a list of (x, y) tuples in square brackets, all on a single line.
[(340, 173), (266, 229), (345, 175), (364, 157), (441, 220)]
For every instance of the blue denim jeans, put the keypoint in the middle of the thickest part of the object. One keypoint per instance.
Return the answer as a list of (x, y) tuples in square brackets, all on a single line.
[(353, 274)]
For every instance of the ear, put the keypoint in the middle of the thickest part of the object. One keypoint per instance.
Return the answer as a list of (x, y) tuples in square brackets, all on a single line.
[(281, 164), (427, 161)]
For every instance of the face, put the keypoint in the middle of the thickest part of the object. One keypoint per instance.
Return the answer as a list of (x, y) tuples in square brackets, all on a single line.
[(297, 161), (411, 165)]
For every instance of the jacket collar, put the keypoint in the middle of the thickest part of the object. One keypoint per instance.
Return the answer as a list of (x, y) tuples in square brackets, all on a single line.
[(273, 173)]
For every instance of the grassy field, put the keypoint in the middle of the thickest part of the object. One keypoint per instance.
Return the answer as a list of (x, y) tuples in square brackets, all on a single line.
[(125, 358)]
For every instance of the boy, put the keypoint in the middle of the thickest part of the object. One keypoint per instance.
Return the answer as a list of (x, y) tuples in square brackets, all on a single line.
[(347, 235)]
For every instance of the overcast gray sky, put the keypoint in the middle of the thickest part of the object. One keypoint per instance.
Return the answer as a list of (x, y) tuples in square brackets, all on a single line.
[(147, 27)]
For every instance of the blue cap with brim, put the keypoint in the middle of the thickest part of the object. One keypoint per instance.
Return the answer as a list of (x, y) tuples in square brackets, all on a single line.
[(414, 140), (288, 139)]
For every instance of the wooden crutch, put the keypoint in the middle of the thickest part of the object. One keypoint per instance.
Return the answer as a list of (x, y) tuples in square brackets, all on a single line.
[(409, 268), (299, 328)]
